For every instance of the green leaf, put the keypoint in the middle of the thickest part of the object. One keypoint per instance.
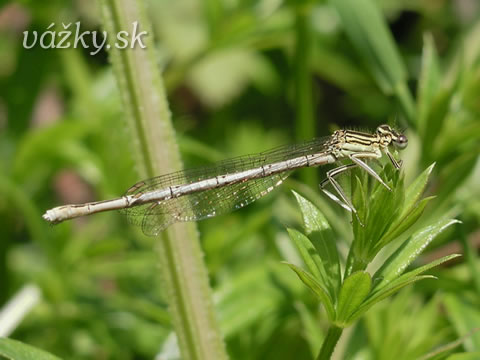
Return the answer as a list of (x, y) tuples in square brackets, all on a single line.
[(428, 83), (322, 238), (354, 291), (381, 209), (391, 288), (430, 265), (401, 226), (313, 218), (415, 190), (369, 33), (415, 272), (327, 249), (412, 209), (409, 251), (383, 212), (395, 286), (16, 350), (310, 257), (317, 289)]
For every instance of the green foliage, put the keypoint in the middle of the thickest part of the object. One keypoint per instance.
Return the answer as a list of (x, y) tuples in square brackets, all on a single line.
[(404, 342), (368, 32), (359, 290), (355, 290), (465, 317), (15, 350)]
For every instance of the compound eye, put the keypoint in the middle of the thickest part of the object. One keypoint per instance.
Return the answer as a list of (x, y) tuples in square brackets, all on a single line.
[(401, 142)]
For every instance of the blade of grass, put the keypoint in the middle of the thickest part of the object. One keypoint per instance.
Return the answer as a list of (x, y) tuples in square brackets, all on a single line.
[(153, 139), (370, 35)]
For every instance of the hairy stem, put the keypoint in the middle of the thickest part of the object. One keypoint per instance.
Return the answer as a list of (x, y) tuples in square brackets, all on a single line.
[(153, 138)]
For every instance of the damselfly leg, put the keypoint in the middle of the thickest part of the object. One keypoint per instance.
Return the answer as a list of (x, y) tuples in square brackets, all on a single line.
[(357, 160), (344, 202)]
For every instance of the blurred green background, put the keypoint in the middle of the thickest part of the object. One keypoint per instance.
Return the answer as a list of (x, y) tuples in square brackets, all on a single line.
[(241, 76)]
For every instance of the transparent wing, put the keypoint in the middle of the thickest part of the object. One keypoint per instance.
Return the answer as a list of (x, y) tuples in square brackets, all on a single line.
[(196, 206), (208, 203)]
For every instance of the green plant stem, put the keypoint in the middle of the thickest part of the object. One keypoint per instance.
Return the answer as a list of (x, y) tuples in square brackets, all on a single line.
[(305, 118), (359, 265), (181, 259), (329, 343), (354, 264)]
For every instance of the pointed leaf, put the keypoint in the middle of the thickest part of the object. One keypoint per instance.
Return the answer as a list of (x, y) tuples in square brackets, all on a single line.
[(16, 350), (409, 251), (354, 291), (317, 289), (382, 211), (386, 292), (313, 218), (415, 272), (327, 249), (408, 220), (415, 190), (309, 255), (391, 288), (412, 209), (322, 238), (428, 266)]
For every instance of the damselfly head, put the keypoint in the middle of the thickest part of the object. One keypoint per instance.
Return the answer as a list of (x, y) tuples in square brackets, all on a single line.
[(398, 139)]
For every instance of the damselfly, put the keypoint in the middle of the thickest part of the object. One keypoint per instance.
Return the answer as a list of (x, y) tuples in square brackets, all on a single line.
[(196, 194)]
